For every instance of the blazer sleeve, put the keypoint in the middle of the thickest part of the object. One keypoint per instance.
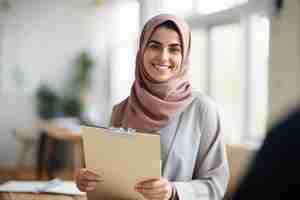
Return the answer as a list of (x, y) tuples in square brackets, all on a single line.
[(211, 171)]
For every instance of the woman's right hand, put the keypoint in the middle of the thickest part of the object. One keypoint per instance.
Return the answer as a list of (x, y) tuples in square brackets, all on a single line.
[(86, 180)]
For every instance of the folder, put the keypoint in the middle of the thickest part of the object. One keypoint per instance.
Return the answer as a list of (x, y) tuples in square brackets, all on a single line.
[(55, 186), (122, 160)]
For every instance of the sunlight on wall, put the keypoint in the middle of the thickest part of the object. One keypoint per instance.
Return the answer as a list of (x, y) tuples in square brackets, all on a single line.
[(124, 31)]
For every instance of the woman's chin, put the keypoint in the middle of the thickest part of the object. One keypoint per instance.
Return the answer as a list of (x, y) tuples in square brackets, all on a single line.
[(162, 78)]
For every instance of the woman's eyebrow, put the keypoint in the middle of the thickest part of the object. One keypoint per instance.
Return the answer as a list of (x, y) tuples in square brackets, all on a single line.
[(156, 42)]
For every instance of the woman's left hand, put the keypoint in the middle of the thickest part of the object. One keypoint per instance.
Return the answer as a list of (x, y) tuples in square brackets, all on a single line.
[(160, 189)]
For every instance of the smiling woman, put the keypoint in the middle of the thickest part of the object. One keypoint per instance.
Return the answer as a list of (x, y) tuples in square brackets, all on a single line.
[(194, 163)]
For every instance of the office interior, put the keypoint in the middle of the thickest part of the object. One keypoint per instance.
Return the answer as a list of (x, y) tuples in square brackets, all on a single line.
[(245, 55)]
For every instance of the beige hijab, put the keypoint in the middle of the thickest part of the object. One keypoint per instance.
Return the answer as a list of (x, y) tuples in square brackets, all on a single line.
[(151, 105)]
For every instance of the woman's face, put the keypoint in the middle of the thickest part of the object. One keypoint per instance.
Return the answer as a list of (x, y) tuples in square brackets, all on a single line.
[(163, 54)]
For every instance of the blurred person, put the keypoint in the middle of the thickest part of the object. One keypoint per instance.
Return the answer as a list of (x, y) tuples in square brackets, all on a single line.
[(274, 173), (194, 162)]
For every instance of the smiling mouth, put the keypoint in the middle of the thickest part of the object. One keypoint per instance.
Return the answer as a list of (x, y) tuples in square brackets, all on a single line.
[(161, 67)]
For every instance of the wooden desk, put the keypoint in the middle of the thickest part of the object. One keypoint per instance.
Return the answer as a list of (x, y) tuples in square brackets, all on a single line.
[(30, 196), (53, 133), (59, 133)]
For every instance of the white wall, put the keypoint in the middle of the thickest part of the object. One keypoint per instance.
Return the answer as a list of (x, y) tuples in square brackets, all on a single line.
[(42, 38), (284, 71)]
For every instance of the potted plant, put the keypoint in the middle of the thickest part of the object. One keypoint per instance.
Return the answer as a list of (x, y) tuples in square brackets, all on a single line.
[(48, 104), (73, 100)]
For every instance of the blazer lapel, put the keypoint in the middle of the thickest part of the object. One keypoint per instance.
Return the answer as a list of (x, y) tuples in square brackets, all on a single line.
[(171, 140)]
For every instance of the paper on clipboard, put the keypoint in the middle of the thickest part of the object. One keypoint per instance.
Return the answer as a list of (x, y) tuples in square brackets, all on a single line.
[(122, 160)]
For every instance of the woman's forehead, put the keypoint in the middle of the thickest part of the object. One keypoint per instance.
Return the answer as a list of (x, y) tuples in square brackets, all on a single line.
[(163, 34)]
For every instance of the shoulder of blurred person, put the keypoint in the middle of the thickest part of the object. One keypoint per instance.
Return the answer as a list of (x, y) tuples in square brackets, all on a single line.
[(274, 173)]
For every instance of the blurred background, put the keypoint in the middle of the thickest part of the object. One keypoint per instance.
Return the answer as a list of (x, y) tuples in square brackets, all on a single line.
[(68, 62)]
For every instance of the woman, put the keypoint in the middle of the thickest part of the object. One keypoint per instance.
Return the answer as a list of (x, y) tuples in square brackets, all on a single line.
[(194, 163)]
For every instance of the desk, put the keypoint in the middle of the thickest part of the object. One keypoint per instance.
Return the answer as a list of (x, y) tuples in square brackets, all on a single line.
[(50, 134), (59, 133), (30, 196)]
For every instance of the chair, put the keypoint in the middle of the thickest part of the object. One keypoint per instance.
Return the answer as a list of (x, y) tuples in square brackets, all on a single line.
[(27, 139), (239, 157), (51, 135)]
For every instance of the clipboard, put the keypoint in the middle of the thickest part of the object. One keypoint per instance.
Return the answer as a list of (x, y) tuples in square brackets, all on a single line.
[(121, 159)]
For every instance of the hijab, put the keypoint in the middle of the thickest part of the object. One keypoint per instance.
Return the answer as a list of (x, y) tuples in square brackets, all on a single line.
[(151, 105)]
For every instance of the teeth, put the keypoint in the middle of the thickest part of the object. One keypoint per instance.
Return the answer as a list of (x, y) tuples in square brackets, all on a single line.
[(161, 66)]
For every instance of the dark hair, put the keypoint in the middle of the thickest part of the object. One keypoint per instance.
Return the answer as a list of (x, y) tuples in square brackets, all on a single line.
[(168, 24)]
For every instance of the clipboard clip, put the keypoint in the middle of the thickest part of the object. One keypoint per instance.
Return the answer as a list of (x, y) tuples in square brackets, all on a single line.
[(117, 130), (120, 130)]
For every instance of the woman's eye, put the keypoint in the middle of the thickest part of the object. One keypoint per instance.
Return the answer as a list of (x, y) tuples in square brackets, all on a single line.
[(175, 50), (153, 46)]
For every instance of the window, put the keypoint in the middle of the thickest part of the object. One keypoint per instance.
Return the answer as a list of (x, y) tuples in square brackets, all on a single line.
[(121, 48), (180, 7), (197, 68), (229, 58), (212, 6), (226, 73), (258, 55)]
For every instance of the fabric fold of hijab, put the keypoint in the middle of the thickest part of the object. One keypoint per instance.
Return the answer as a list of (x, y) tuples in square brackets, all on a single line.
[(151, 104)]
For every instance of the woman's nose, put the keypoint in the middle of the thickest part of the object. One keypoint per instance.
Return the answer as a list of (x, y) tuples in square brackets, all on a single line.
[(164, 54)]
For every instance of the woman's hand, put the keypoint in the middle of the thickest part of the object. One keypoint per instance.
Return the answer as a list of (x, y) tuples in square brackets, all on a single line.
[(160, 189), (86, 180)]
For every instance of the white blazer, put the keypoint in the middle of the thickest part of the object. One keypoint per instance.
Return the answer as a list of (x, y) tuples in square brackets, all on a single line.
[(193, 152)]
